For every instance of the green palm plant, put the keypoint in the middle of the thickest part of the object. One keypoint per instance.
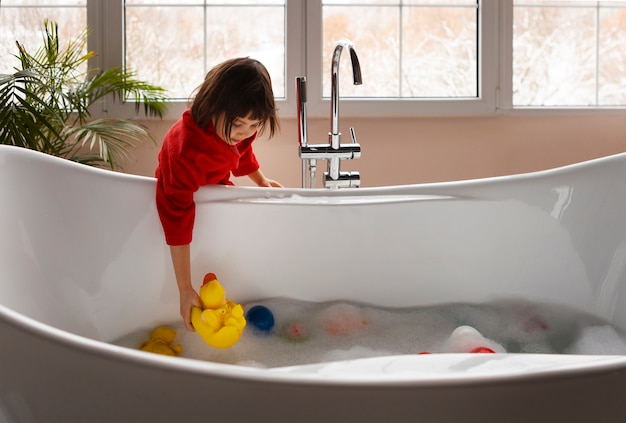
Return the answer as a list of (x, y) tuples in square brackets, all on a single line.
[(46, 104)]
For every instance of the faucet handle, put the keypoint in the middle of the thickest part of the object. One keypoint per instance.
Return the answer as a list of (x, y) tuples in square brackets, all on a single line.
[(353, 135), (356, 147)]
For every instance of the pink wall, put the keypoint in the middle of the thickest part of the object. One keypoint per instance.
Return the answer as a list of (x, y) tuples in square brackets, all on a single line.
[(399, 151)]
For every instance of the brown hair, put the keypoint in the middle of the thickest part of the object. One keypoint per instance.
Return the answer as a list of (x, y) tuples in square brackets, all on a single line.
[(236, 88)]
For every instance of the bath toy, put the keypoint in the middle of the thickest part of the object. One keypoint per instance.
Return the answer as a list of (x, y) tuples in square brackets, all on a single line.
[(482, 350), (466, 339), (161, 342), (295, 331), (344, 319), (261, 318), (220, 322), (477, 350)]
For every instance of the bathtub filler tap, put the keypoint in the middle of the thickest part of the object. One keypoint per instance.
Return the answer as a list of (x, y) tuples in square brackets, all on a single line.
[(334, 151)]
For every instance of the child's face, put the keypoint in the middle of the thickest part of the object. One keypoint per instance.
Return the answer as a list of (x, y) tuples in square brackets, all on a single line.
[(242, 128)]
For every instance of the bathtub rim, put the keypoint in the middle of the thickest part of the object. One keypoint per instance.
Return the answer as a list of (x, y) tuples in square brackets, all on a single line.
[(576, 366), (249, 193)]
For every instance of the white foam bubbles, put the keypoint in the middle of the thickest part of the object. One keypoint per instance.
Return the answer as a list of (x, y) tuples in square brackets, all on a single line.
[(308, 333), (599, 340)]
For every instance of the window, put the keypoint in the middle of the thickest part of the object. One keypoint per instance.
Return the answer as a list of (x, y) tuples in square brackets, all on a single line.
[(418, 57), (189, 37), (409, 49), (22, 20), (569, 53)]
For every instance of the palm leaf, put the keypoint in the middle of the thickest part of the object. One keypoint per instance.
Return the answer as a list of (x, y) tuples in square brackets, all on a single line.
[(112, 139), (26, 119), (122, 85)]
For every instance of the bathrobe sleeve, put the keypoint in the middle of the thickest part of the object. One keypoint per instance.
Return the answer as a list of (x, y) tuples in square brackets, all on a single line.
[(190, 158), (176, 185)]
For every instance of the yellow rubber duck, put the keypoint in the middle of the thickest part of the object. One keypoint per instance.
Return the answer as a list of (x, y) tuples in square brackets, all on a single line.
[(220, 322), (161, 342)]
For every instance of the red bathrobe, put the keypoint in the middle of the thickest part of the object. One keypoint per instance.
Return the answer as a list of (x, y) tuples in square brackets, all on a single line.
[(190, 158)]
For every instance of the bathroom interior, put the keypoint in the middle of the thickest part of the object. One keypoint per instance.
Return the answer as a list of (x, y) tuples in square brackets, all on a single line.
[(422, 161)]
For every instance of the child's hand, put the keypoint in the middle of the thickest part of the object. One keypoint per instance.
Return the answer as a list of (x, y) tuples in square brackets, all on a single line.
[(188, 299), (258, 178), (271, 183)]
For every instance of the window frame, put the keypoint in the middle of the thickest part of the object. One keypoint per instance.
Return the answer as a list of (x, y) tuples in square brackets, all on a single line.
[(304, 57), (504, 94), (484, 103), (106, 19)]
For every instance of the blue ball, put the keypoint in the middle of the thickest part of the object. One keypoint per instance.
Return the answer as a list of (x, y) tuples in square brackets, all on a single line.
[(261, 318)]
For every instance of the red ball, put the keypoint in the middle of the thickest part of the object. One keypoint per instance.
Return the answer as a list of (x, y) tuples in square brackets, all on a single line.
[(483, 350)]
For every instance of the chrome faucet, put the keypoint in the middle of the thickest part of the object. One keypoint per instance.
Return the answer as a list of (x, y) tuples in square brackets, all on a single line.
[(334, 151)]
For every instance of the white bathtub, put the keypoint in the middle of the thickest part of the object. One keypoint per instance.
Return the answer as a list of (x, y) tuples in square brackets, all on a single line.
[(83, 262)]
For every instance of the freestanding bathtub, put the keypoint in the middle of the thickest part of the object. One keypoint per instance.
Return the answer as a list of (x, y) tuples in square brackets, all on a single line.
[(83, 262)]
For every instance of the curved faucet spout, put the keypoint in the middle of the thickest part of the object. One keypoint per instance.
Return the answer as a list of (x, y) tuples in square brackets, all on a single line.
[(356, 67), (354, 59), (334, 85)]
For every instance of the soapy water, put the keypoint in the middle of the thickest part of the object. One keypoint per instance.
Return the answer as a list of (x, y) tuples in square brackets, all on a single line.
[(307, 333)]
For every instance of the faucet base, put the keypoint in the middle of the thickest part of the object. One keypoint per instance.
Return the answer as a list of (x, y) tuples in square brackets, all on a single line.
[(345, 180)]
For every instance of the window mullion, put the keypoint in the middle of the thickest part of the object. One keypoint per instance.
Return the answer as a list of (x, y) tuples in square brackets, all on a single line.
[(504, 95), (314, 72), (400, 55), (105, 18), (295, 52), (597, 56)]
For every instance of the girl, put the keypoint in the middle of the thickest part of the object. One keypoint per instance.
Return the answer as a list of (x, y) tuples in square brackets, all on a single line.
[(212, 140)]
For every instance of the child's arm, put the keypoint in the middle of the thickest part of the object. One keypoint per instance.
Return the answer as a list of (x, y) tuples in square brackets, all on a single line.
[(258, 178), (182, 269)]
